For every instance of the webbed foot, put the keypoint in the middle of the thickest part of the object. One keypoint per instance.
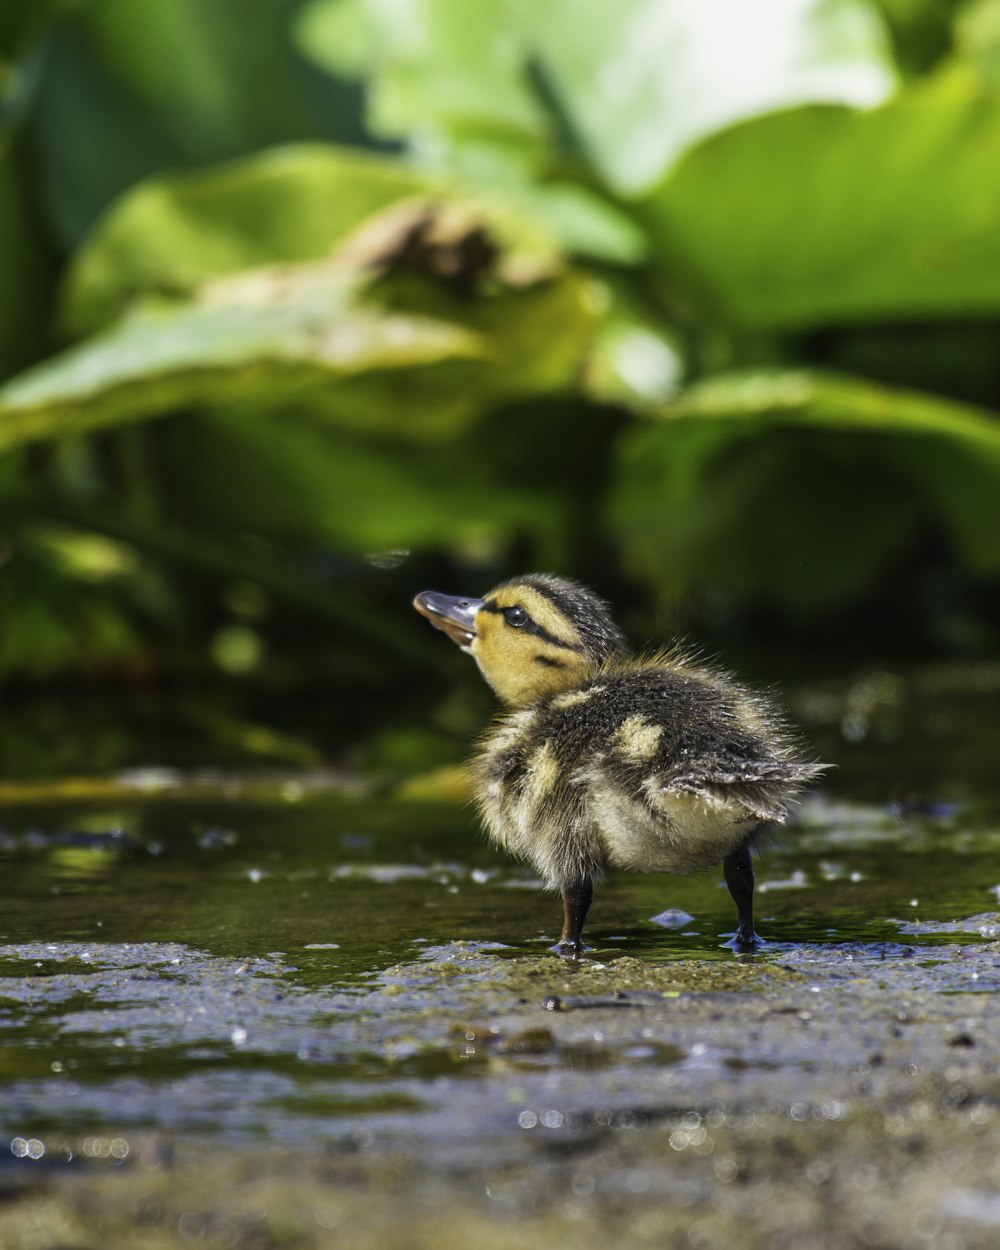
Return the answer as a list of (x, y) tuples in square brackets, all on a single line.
[(566, 948), (745, 943)]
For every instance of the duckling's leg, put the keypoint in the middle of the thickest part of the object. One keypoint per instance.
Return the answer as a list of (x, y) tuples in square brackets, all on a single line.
[(577, 898), (738, 871)]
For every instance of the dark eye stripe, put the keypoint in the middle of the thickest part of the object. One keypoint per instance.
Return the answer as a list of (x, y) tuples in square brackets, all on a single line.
[(531, 627)]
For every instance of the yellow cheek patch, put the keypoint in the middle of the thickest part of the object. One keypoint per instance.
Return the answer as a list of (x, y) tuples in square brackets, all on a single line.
[(537, 660), (637, 739), (487, 626)]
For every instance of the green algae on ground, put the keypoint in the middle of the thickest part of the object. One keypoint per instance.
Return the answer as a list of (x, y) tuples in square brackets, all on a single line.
[(524, 978)]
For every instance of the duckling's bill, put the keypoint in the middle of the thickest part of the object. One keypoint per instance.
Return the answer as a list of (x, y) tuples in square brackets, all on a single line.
[(452, 614)]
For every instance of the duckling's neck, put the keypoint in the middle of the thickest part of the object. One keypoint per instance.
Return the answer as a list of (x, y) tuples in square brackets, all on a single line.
[(545, 676)]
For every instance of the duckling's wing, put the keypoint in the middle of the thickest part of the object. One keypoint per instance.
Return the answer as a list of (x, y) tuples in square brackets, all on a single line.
[(761, 787)]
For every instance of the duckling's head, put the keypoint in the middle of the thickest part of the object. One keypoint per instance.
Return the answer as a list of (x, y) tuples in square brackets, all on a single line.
[(531, 636)]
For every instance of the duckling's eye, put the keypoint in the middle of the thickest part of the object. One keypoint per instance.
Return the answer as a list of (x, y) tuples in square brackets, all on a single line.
[(516, 617)]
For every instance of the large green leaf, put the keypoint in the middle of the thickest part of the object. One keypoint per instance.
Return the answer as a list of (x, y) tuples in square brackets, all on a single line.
[(631, 85), (838, 402), (172, 232), (453, 79), (419, 366), (440, 66), (796, 488), (293, 336), (824, 215), (533, 341), (641, 80), (518, 99)]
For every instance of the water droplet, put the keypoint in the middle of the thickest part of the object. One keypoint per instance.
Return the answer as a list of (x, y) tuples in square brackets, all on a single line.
[(672, 918)]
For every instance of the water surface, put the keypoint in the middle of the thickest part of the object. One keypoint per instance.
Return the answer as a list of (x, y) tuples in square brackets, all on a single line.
[(246, 976)]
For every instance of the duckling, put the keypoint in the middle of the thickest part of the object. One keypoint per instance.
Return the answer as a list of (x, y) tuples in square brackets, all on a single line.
[(601, 759)]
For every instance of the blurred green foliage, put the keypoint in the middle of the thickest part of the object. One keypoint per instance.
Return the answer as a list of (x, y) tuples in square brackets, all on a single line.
[(305, 305)]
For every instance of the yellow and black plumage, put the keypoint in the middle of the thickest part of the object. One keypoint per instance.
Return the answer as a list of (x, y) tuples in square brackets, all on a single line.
[(601, 759)]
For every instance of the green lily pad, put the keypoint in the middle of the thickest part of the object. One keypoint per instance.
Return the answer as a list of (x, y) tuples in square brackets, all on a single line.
[(372, 342), (630, 87), (258, 345), (824, 216), (797, 487), (171, 233), (642, 80)]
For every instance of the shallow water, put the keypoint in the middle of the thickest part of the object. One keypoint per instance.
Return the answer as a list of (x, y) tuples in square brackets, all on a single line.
[(230, 979)]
